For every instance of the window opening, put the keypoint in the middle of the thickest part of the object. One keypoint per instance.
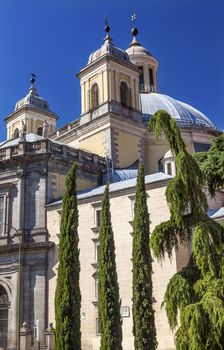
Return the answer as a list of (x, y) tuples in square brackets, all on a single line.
[(16, 133), (125, 94), (94, 96), (97, 289), (98, 217), (97, 251), (141, 80), (3, 318), (2, 211), (40, 131), (151, 79), (98, 327), (169, 169)]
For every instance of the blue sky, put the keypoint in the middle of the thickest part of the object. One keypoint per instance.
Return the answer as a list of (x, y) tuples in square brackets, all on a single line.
[(55, 37)]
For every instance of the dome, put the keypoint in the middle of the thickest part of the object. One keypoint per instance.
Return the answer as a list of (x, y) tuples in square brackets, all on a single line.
[(168, 155), (34, 100), (180, 111), (108, 48), (137, 49)]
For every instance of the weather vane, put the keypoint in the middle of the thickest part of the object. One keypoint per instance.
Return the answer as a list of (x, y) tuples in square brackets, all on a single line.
[(33, 77), (106, 18), (107, 27), (133, 17)]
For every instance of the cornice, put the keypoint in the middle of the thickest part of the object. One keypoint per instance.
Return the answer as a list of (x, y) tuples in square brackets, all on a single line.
[(106, 58), (25, 109)]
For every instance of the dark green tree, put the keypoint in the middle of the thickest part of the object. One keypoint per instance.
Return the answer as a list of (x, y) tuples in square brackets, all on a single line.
[(109, 302), (67, 297), (212, 164), (196, 293), (143, 314)]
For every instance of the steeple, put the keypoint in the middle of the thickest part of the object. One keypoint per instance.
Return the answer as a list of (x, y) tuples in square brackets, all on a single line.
[(134, 32), (107, 38), (33, 90)]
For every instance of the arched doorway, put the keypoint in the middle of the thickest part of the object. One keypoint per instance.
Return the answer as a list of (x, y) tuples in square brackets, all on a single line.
[(3, 318)]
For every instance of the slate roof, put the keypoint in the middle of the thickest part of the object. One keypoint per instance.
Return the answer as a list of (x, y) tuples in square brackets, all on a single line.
[(29, 138), (180, 111), (216, 213), (117, 186)]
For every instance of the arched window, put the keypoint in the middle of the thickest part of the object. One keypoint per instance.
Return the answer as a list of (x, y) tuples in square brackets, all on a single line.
[(94, 96), (160, 165), (125, 94), (3, 318), (16, 133), (40, 131)]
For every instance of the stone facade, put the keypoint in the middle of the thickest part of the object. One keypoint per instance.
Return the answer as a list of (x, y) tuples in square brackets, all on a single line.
[(32, 174)]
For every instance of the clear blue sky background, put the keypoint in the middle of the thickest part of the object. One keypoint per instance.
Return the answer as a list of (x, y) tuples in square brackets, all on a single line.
[(55, 37)]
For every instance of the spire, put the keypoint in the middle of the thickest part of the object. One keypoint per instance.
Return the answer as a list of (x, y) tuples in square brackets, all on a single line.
[(107, 38), (134, 32), (33, 90)]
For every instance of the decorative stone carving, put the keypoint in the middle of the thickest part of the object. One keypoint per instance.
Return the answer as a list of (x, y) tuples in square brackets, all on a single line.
[(20, 173), (50, 337)]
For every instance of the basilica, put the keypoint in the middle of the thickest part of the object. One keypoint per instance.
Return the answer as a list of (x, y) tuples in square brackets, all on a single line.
[(119, 93)]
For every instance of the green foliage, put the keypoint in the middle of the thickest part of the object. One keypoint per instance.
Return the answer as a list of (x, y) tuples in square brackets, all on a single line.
[(143, 314), (180, 292), (109, 303), (67, 297), (164, 239), (196, 293), (212, 164)]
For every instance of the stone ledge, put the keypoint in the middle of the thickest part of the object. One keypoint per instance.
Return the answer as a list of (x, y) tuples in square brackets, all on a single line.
[(26, 246)]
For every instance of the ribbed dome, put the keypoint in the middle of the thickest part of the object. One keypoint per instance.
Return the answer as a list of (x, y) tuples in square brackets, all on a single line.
[(180, 111), (108, 48), (138, 50), (34, 100)]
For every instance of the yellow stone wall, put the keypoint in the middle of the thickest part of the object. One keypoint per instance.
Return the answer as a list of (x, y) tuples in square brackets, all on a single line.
[(56, 184), (83, 184), (94, 143), (155, 149), (108, 76), (128, 148)]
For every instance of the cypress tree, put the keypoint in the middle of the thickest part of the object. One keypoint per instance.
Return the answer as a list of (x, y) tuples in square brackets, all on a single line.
[(109, 303), (196, 293), (67, 297), (143, 314)]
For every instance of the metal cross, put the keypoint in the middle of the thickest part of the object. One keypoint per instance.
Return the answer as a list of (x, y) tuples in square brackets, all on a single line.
[(133, 17)]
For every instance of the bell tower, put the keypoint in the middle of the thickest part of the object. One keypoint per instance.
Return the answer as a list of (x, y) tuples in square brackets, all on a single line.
[(109, 77), (147, 64)]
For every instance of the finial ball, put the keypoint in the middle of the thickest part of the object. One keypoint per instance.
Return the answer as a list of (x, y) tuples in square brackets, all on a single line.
[(134, 31), (107, 28)]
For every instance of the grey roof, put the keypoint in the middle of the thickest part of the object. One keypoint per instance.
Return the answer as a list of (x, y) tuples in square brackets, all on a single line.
[(108, 48), (122, 185), (117, 186), (216, 213), (29, 138), (138, 50), (34, 100), (180, 111)]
